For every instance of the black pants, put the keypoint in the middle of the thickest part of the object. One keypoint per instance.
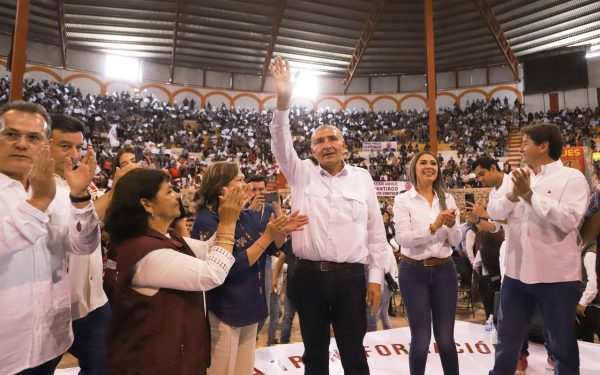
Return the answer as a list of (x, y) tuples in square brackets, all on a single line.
[(331, 298), (46, 368), (589, 324), (487, 291)]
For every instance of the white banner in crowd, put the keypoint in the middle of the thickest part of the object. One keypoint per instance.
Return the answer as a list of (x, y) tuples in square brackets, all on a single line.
[(391, 188), (387, 353), (379, 146)]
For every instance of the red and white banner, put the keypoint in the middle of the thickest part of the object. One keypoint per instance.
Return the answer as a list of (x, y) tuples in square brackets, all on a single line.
[(387, 353), (391, 188)]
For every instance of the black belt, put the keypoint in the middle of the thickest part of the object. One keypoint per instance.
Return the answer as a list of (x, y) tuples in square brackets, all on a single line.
[(329, 266)]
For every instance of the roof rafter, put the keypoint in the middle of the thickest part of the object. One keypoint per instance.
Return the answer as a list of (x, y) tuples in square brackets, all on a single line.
[(175, 31), (363, 41), (492, 23), (60, 16), (274, 33)]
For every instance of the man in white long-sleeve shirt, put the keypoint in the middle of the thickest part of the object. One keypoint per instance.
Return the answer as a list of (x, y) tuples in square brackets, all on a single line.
[(345, 233), (90, 310), (544, 205), (38, 226)]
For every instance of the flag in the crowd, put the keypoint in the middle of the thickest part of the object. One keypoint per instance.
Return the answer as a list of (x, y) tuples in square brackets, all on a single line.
[(112, 136)]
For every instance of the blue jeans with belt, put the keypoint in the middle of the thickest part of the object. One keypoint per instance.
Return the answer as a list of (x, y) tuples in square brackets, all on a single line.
[(429, 295), (557, 302)]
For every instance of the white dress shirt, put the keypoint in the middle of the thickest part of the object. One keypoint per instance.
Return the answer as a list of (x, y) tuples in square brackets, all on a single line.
[(591, 287), (345, 222), (542, 237), (85, 276), (494, 194), (412, 217), (167, 268), (35, 322)]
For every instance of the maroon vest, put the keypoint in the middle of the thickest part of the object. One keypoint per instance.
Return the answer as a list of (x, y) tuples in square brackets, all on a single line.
[(167, 333)]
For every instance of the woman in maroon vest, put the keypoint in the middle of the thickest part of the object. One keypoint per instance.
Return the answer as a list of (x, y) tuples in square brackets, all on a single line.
[(159, 323)]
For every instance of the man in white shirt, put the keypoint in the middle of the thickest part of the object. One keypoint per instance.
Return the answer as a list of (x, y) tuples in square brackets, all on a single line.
[(344, 234), (38, 226), (544, 205), (90, 310)]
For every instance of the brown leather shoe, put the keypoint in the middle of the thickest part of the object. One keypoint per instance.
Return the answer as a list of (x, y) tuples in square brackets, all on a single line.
[(522, 365)]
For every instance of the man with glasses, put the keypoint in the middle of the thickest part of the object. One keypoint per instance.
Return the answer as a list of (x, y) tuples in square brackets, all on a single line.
[(39, 224)]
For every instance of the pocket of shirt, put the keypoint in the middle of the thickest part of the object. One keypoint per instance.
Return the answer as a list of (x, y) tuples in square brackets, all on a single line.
[(358, 204)]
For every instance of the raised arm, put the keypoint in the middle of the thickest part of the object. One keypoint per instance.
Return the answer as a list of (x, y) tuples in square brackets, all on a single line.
[(282, 145)]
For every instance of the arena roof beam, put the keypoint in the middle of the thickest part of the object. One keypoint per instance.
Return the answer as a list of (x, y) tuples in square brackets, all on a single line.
[(492, 23), (17, 53), (175, 31), (363, 41), (431, 76), (60, 16), (277, 17)]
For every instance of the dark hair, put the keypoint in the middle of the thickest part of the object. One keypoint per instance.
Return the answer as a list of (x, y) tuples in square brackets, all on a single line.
[(540, 133), (257, 178), (26, 107), (485, 162), (66, 124), (115, 162), (126, 217), (439, 187), (217, 176)]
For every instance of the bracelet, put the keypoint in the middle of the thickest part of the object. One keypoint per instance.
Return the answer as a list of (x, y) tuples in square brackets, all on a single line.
[(527, 195), (224, 243), (75, 199), (225, 237)]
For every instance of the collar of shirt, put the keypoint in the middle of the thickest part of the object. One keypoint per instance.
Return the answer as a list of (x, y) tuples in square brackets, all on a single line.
[(6, 181), (414, 194), (345, 172), (550, 168)]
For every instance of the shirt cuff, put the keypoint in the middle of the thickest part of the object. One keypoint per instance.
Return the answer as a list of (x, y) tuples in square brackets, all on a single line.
[(280, 117), (221, 257), (375, 275), (84, 210)]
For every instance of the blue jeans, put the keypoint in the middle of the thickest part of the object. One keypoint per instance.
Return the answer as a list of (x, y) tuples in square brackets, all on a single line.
[(288, 319), (429, 295), (381, 313), (273, 317), (557, 302)]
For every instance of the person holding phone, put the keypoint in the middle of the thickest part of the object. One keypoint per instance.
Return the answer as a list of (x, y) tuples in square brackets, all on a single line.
[(426, 220)]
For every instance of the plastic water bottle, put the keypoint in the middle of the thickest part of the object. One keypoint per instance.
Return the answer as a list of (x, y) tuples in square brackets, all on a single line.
[(488, 329)]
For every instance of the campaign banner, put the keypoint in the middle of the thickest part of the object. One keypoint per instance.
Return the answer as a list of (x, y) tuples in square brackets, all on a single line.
[(391, 188), (387, 353), (573, 157), (379, 146)]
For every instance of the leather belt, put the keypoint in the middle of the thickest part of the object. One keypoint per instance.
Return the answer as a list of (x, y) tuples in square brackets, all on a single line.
[(324, 266), (429, 262)]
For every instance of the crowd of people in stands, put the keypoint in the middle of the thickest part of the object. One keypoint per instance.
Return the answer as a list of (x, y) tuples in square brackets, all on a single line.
[(216, 132)]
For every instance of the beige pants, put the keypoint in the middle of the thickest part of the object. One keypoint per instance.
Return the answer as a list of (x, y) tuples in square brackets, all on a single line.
[(232, 348)]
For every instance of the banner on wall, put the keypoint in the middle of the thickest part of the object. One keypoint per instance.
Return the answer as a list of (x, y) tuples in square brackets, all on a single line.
[(573, 157), (391, 188), (379, 146), (387, 353)]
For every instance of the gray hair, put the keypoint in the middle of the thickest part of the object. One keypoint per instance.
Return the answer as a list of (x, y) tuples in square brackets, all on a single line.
[(325, 126), (27, 107)]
